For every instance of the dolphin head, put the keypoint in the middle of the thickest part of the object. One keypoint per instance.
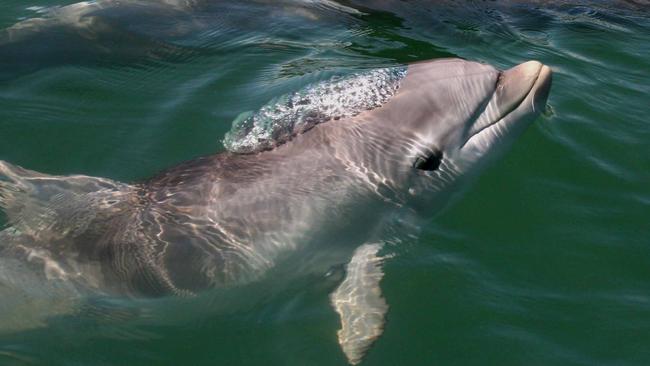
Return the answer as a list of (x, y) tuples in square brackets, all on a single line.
[(413, 134), (452, 117)]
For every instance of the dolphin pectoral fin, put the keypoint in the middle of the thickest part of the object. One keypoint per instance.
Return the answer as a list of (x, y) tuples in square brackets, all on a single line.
[(360, 304)]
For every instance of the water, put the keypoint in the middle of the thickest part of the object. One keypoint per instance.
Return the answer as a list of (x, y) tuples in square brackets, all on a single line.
[(545, 261)]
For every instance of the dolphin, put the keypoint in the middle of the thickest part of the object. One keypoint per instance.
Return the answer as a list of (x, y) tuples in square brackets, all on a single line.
[(304, 183), (128, 32)]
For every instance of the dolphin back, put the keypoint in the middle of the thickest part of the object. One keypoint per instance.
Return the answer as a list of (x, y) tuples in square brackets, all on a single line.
[(52, 207), (109, 237), (53, 224)]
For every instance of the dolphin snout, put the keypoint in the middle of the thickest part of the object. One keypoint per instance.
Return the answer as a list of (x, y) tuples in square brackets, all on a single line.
[(517, 83), (542, 88), (514, 84), (523, 88)]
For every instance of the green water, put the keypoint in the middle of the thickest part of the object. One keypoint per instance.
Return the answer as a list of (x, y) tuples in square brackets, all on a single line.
[(545, 261)]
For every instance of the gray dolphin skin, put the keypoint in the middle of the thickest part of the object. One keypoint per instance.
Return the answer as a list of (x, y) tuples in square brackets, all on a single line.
[(303, 174), (131, 32)]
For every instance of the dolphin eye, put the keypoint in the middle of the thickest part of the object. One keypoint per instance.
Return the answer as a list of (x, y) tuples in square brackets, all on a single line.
[(430, 161)]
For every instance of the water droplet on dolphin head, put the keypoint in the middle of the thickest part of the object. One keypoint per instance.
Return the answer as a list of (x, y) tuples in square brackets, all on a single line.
[(291, 114)]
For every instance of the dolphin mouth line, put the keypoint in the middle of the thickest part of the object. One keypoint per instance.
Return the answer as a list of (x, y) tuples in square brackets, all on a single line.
[(534, 87)]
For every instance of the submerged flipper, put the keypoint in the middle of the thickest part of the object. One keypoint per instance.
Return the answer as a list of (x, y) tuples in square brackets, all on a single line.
[(359, 302)]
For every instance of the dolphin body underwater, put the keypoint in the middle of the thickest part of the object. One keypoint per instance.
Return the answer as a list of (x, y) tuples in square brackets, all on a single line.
[(306, 179), (136, 32)]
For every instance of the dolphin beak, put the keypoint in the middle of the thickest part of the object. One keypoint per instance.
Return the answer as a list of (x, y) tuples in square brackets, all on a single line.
[(513, 86), (529, 82), (517, 83), (542, 88)]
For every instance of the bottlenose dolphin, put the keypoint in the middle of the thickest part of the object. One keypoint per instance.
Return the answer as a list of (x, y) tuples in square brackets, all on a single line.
[(126, 32), (307, 179)]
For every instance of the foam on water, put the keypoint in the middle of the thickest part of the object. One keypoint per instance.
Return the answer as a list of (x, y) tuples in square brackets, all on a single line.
[(291, 114)]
